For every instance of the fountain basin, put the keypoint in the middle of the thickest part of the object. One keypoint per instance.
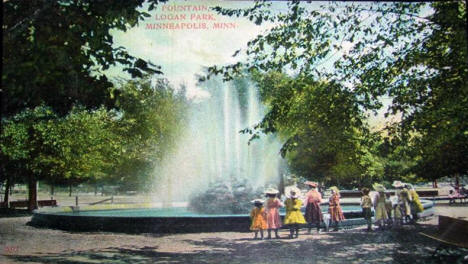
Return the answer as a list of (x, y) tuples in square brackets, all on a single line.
[(147, 219)]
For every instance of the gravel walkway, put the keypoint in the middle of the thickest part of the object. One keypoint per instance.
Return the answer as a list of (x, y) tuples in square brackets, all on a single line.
[(20, 243)]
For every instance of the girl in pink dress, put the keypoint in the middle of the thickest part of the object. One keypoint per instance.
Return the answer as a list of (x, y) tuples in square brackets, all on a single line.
[(313, 212), (334, 208), (272, 209)]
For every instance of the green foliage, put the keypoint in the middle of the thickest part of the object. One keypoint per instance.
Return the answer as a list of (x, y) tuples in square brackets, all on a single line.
[(54, 52), (325, 136), (69, 149), (152, 118), (414, 53), (99, 146)]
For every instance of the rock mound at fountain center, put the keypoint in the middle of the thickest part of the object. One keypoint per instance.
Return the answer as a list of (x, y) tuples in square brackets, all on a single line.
[(224, 198)]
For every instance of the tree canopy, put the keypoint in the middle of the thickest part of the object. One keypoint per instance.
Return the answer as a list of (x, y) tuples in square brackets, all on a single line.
[(415, 54), (54, 52), (326, 137), (119, 147)]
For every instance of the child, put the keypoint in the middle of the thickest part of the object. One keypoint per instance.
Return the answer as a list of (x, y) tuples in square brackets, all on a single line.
[(334, 208), (415, 205), (366, 204), (258, 216), (379, 205), (403, 200), (451, 197), (388, 207), (293, 216), (313, 213), (396, 210), (272, 208)]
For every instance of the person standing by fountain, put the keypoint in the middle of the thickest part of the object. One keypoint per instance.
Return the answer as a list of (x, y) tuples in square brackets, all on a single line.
[(403, 200), (293, 216), (389, 208), (258, 216), (272, 208), (396, 211), (416, 205), (379, 205), (313, 213), (366, 204), (334, 208)]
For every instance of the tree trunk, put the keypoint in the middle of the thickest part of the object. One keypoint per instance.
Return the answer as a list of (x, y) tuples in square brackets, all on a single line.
[(52, 189), (95, 189), (457, 182), (434, 184), (32, 204), (6, 199), (70, 190)]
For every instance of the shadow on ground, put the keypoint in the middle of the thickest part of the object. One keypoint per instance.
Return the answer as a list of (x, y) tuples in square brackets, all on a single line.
[(401, 246), (8, 212)]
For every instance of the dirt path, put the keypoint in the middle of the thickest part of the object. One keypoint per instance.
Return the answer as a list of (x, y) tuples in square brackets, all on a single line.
[(20, 243)]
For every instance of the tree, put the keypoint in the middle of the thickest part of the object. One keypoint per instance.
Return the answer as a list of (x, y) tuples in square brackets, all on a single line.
[(152, 117), (20, 145), (375, 50), (326, 137), (36, 145), (54, 52)]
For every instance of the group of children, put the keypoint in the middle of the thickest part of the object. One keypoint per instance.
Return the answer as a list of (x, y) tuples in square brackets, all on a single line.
[(403, 207), (267, 218)]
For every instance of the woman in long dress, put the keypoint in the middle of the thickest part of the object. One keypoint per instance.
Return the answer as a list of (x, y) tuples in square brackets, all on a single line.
[(313, 213)]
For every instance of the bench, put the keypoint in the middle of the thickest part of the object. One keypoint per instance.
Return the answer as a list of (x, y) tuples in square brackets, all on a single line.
[(42, 203), (25, 203), (451, 231), (19, 203), (428, 193)]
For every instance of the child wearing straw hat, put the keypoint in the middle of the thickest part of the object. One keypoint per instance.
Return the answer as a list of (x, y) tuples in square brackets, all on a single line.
[(272, 209), (294, 215), (379, 205), (258, 217), (313, 213), (334, 208)]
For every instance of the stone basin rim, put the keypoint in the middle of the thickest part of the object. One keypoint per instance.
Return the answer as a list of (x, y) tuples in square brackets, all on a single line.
[(69, 211)]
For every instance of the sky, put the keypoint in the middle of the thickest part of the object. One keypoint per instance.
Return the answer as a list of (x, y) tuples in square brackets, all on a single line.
[(183, 53)]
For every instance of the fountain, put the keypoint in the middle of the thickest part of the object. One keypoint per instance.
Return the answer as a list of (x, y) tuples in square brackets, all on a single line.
[(213, 172), (212, 153)]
